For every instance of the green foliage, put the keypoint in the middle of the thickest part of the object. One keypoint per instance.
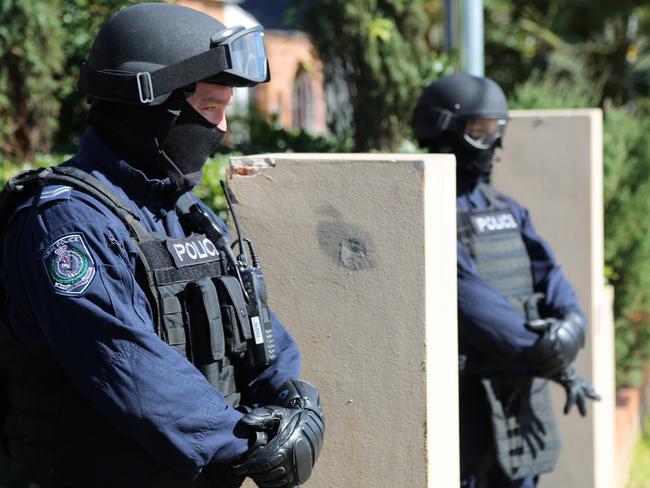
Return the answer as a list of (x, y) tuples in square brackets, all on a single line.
[(640, 469), (604, 44), (31, 68), (256, 133), (42, 46), (627, 234), (546, 91), (11, 168), (210, 189), (377, 57), (80, 20)]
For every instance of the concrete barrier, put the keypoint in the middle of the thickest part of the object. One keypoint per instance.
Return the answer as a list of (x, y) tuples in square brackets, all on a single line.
[(552, 164), (359, 252)]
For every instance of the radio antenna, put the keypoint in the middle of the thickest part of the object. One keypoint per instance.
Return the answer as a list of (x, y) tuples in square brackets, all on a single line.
[(242, 251)]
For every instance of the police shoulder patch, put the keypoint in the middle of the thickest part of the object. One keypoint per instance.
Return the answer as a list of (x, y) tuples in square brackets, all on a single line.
[(69, 265)]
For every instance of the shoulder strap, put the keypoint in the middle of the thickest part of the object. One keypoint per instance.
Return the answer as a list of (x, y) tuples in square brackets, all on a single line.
[(20, 185)]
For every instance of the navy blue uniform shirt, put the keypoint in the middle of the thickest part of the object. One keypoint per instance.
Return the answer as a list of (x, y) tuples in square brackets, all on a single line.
[(101, 328), (491, 331)]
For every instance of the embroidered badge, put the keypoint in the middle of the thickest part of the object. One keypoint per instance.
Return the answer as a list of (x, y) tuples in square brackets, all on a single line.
[(69, 264)]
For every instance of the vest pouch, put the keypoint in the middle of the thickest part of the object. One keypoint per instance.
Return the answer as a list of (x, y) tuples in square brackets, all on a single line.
[(172, 317), (235, 341), (205, 329), (525, 436), (237, 323)]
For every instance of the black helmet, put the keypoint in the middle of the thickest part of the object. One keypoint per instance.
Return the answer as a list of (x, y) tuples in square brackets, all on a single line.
[(460, 106), (147, 51)]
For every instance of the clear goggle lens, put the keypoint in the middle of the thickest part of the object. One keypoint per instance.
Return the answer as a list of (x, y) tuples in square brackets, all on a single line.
[(483, 133), (247, 53)]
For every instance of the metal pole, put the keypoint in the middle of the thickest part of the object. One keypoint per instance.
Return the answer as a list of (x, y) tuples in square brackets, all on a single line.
[(451, 25), (472, 42)]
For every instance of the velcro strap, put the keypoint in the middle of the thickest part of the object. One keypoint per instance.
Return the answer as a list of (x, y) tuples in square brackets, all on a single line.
[(205, 321), (144, 87), (233, 290), (175, 336)]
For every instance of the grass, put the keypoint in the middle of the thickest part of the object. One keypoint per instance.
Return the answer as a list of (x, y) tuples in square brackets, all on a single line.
[(640, 471)]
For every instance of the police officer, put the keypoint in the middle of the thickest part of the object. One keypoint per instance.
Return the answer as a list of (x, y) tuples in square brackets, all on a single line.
[(136, 349), (520, 323)]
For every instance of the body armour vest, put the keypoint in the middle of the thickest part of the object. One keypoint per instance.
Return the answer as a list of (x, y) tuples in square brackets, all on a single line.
[(525, 436), (199, 310)]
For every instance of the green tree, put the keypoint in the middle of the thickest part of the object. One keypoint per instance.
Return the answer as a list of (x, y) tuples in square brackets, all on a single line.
[(42, 46), (604, 43), (31, 70), (377, 56), (81, 20)]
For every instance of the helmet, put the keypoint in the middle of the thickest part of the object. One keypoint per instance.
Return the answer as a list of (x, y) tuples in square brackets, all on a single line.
[(467, 109), (145, 52)]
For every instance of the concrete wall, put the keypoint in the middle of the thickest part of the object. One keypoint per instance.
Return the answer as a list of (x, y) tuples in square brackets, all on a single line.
[(359, 255), (552, 164)]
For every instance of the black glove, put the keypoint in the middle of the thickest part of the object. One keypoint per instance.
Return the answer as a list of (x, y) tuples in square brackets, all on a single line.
[(577, 391), (558, 345), (296, 431)]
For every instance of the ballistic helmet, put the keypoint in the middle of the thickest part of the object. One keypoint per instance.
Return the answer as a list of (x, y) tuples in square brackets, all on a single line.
[(145, 52), (472, 111)]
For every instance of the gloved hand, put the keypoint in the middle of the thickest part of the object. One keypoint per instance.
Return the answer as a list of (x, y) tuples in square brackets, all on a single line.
[(577, 391), (558, 346), (296, 437)]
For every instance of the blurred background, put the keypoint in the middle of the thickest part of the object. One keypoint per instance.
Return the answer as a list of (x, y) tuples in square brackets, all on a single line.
[(345, 77)]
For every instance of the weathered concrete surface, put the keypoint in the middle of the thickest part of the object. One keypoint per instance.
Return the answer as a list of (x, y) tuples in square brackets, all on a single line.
[(552, 164), (359, 255)]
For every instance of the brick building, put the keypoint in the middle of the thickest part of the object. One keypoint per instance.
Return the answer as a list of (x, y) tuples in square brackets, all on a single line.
[(295, 92)]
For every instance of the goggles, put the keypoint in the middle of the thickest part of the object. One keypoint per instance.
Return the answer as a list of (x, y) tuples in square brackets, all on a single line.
[(245, 52), (483, 133)]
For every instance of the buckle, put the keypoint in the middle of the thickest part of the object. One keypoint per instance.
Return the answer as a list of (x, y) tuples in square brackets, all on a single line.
[(147, 97)]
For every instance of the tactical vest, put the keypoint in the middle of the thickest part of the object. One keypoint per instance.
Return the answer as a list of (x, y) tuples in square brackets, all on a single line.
[(199, 311), (525, 436)]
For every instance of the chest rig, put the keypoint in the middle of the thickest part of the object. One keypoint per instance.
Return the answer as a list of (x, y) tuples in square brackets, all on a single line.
[(525, 436), (493, 239), (199, 310)]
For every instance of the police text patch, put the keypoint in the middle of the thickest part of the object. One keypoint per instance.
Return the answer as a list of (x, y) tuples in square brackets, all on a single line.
[(493, 222), (192, 250), (69, 264)]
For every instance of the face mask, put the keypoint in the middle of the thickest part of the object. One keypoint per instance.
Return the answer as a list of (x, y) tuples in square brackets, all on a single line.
[(473, 162), (190, 142)]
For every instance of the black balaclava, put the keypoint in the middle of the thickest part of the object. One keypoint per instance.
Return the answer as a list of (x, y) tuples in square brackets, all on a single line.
[(472, 165), (172, 140)]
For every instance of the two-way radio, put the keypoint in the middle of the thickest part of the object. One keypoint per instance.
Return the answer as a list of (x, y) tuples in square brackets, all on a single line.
[(261, 347), (262, 351)]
